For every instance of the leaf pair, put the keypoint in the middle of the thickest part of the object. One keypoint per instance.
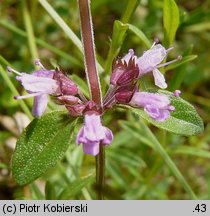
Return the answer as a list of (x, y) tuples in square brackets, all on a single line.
[(46, 140)]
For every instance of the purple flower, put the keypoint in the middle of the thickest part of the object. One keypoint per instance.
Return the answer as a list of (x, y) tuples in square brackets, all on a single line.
[(150, 61), (92, 133), (39, 85), (45, 82), (156, 105)]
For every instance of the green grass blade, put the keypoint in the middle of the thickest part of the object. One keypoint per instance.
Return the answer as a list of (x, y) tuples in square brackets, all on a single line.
[(29, 30), (188, 150), (81, 83), (75, 187), (140, 35), (42, 43), (158, 147), (144, 134), (179, 75), (36, 192), (72, 36)]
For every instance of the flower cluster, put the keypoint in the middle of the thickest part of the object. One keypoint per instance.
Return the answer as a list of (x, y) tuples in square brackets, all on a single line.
[(123, 83), (123, 89)]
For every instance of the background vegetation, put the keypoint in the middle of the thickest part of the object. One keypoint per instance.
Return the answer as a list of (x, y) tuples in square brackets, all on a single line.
[(135, 168)]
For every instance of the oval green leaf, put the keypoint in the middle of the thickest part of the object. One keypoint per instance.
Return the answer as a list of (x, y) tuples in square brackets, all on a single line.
[(184, 120), (41, 145)]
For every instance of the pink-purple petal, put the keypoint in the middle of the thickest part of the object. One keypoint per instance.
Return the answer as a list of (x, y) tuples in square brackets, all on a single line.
[(40, 105), (91, 148), (151, 58), (157, 106), (34, 83), (93, 128), (129, 55), (92, 133), (44, 73), (108, 136), (159, 79)]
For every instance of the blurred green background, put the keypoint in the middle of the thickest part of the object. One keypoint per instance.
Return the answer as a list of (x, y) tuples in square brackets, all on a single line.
[(134, 170)]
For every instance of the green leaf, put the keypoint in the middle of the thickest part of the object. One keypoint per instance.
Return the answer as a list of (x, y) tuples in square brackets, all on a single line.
[(75, 187), (140, 34), (184, 120), (40, 145), (170, 21), (118, 36), (194, 151)]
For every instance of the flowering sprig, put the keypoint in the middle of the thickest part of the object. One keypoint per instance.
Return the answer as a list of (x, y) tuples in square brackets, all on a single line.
[(123, 89), (51, 133)]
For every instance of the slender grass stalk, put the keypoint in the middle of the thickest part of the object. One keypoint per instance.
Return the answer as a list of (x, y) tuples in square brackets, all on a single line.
[(159, 148), (29, 30), (34, 8), (42, 43), (149, 139), (71, 35)]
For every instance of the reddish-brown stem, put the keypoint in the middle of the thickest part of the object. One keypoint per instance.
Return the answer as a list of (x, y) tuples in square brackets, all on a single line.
[(93, 82), (89, 51)]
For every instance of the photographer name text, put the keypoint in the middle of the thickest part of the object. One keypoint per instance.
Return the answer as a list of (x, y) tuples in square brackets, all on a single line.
[(46, 208)]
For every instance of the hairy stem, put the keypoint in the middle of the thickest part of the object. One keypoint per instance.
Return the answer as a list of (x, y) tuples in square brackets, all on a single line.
[(89, 51), (93, 82)]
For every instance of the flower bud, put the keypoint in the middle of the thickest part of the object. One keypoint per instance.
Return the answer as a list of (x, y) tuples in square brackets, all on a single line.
[(68, 99), (67, 86), (123, 73), (75, 110), (125, 94)]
